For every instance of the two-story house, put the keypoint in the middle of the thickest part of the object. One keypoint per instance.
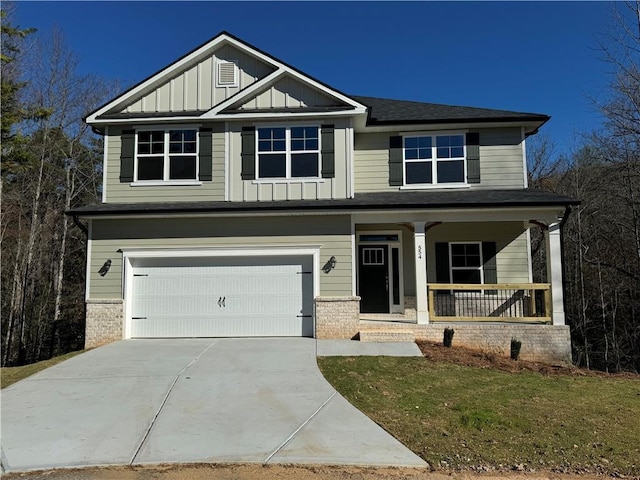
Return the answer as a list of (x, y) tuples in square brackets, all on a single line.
[(241, 197)]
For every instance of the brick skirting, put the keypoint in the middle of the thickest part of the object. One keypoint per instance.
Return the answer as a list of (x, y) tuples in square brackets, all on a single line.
[(104, 322), (540, 343), (337, 317)]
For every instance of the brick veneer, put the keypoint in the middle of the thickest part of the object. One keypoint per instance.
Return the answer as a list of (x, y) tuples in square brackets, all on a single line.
[(104, 322), (337, 317), (540, 343)]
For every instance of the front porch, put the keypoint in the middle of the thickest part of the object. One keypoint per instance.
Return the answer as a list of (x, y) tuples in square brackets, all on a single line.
[(467, 270)]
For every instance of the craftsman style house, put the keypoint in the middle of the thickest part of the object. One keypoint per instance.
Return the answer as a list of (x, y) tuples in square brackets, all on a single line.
[(242, 197)]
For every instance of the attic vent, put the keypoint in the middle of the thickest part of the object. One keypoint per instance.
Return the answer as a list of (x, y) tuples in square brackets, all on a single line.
[(227, 74)]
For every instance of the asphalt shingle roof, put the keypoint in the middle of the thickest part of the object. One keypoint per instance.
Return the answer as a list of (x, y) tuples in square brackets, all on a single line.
[(410, 200), (385, 111)]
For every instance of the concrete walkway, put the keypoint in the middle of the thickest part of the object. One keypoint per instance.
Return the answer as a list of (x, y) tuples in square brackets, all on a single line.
[(190, 400), (354, 348)]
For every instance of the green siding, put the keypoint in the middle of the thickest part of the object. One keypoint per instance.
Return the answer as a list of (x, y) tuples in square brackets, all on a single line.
[(290, 93), (194, 87), (124, 192), (327, 188), (511, 244), (331, 233), (501, 162)]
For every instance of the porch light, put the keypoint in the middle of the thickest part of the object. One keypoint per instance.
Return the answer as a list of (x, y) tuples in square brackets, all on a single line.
[(105, 268), (330, 265)]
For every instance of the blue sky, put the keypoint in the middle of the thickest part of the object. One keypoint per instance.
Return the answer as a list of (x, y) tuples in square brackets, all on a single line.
[(525, 56)]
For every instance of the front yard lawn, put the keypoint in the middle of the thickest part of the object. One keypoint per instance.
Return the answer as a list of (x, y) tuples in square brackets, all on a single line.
[(481, 418), (10, 375)]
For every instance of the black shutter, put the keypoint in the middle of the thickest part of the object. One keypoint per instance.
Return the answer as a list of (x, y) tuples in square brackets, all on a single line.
[(248, 153), (395, 161), (473, 157), (442, 263), (205, 153), (128, 142), (489, 267), (328, 154)]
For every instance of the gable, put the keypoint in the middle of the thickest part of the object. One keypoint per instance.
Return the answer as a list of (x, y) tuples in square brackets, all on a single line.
[(288, 92), (191, 87), (196, 87)]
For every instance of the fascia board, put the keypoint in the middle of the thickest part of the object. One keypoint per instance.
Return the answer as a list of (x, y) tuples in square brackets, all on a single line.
[(267, 115), (529, 126)]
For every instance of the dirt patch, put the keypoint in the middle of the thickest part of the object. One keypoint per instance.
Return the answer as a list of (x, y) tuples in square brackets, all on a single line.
[(477, 358), (260, 472)]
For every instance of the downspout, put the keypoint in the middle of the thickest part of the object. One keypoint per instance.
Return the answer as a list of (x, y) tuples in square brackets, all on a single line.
[(84, 229), (567, 211)]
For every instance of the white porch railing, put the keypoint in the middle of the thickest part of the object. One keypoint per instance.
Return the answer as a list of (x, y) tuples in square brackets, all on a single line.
[(506, 302)]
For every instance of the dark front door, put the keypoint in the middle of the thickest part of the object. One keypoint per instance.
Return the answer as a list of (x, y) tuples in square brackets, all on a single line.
[(373, 274)]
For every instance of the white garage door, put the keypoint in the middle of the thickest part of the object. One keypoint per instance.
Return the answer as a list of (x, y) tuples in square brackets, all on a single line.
[(222, 297)]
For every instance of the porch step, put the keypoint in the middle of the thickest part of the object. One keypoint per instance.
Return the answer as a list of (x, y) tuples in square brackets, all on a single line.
[(387, 336)]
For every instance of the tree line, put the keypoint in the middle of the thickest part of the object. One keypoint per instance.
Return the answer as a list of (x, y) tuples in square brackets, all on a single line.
[(51, 162)]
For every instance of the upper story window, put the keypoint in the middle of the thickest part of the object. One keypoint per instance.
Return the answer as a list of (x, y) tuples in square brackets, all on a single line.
[(163, 155), (288, 152), (434, 159)]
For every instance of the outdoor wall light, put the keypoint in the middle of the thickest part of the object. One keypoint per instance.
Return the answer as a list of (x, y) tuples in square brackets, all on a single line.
[(330, 265), (105, 268)]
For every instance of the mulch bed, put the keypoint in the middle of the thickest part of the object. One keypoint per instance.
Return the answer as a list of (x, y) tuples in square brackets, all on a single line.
[(477, 358)]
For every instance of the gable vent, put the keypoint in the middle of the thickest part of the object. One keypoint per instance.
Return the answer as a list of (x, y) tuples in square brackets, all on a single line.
[(227, 74)]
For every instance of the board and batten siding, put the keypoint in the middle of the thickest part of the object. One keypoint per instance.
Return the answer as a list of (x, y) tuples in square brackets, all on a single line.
[(277, 189), (501, 162), (512, 258), (290, 93), (332, 233), (194, 89), (124, 192)]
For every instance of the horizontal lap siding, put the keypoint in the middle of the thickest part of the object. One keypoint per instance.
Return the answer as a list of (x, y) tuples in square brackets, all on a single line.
[(371, 162), (501, 162), (501, 159), (511, 243), (118, 192), (332, 233)]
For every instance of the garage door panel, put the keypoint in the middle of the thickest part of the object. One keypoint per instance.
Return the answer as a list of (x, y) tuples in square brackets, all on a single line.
[(239, 297)]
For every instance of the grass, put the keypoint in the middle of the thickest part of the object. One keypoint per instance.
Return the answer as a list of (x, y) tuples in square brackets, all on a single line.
[(11, 375), (457, 416)]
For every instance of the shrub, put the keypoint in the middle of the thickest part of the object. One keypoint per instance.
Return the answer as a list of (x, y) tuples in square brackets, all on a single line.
[(448, 337), (515, 348)]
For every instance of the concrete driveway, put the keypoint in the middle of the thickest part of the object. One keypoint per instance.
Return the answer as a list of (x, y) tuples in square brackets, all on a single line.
[(189, 400)]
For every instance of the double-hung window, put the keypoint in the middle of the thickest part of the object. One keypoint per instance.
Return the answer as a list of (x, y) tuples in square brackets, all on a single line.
[(165, 155), (288, 152), (434, 159), (466, 263)]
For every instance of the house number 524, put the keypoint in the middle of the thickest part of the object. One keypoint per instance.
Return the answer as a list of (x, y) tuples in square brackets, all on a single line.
[(419, 252)]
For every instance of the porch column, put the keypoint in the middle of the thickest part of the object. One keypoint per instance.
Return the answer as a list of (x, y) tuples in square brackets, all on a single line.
[(554, 272), (420, 250)]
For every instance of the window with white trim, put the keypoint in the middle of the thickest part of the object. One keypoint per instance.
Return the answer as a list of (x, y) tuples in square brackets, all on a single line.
[(434, 159), (466, 262), (164, 155), (288, 152)]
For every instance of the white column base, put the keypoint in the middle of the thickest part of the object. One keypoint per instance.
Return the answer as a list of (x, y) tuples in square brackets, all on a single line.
[(420, 252), (554, 272)]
